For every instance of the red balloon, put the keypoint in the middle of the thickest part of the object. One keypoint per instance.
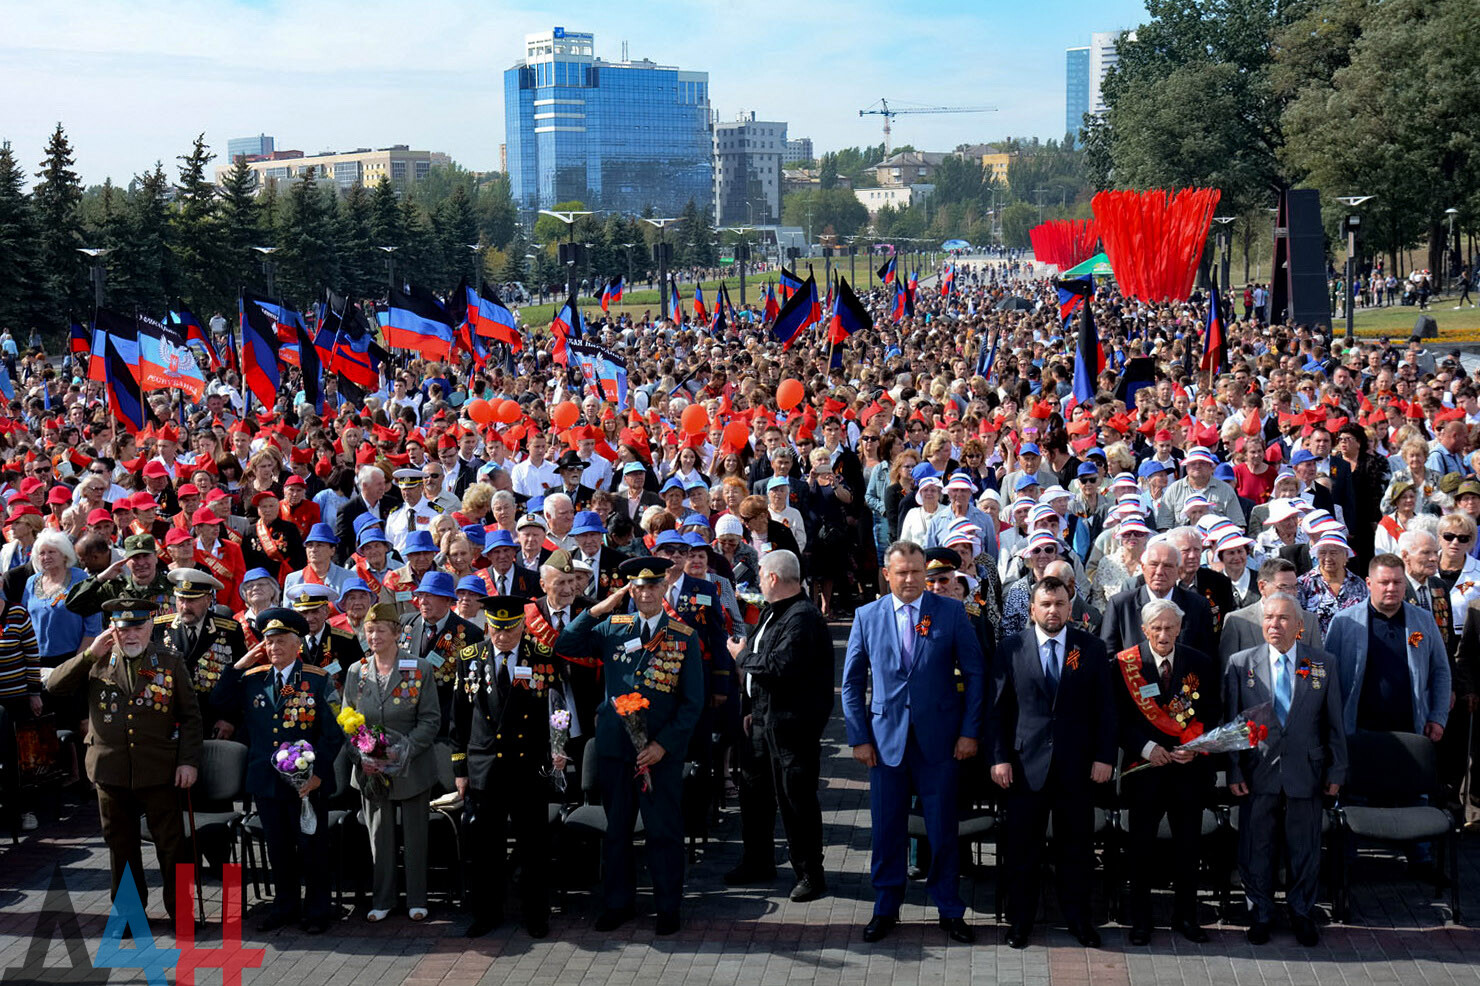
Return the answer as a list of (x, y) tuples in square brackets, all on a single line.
[(695, 419), (789, 394), (565, 414), (509, 411), (736, 434), (480, 411)]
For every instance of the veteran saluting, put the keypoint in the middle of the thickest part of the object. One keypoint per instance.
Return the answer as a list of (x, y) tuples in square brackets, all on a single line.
[(655, 656), (143, 739)]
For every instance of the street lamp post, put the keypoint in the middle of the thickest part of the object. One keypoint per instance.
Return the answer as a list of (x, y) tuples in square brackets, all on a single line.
[(1451, 253), (390, 269), (661, 249), (628, 247), (477, 249), (1223, 244), (569, 247), (267, 267), (539, 287), (1351, 223), (96, 273), (742, 253)]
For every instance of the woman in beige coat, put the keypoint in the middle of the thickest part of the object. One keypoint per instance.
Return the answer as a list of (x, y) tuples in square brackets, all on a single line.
[(396, 692)]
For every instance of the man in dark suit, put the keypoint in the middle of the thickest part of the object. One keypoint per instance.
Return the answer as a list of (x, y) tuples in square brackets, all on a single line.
[(570, 466), (207, 643), (370, 497), (913, 728), (787, 671), (589, 532), (1165, 690), (1304, 757), (1053, 735), (1244, 628), (438, 635), (1423, 587), (1160, 565), (508, 578), (1215, 588)]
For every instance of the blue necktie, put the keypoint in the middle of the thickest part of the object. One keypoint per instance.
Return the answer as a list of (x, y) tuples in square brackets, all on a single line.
[(1051, 666), (1282, 688), (906, 637)]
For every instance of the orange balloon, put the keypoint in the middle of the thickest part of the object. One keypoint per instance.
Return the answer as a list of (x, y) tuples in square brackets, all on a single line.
[(565, 414), (736, 434), (480, 411), (695, 419), (509, 411), (789, 394)]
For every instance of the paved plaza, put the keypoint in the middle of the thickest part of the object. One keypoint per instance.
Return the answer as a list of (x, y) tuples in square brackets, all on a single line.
[(1399, 931)]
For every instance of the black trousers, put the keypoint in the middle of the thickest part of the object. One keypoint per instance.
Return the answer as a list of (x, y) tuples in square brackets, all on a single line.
[(516, 793), (1179, 793), (780, 768), (300, 863), (1068, 800), (119, 809), (662, 819)]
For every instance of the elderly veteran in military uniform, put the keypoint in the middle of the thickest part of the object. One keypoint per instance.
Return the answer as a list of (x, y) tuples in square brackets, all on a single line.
[(325, 646), (287, 700), (439, 635), (209, 644), (143, 741), (501, 749), (646, 656), (394, 692), (137, 575)]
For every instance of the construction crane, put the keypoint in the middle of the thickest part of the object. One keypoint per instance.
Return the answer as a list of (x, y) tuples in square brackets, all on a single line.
[(888, 113)]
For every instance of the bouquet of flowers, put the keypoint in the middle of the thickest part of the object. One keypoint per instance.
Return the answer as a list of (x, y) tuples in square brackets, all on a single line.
[(629, 708), (559, 735), (1248, 732), (380, 752), (294, 763)]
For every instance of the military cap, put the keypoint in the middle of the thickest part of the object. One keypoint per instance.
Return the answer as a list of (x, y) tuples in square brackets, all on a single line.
[(128, 612), (279, 620), (504, 612), (560, 560), (383, 613), (940, 562), (139, 544), (192, 583), (409, 477), (644, 571), (307, 595)]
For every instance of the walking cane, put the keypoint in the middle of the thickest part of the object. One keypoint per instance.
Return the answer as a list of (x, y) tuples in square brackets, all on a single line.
[(1467, 781), (200, 902)]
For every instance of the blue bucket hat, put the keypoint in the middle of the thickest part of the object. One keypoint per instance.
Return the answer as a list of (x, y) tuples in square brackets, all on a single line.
[(419, 541), (695, 540), (258, 573), (499, 539), (437, 583), (321, 534), (472, 583), (778, 482), (670, 539), (587, 522), (476, 534), (354, 585), (370, 534), (1150, 468), (674, 483)]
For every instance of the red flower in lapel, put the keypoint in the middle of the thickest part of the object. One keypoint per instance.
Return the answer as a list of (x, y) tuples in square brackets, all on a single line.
[(1415, 638)]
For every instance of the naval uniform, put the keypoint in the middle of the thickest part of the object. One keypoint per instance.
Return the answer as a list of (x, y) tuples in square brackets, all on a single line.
[(215, 644)]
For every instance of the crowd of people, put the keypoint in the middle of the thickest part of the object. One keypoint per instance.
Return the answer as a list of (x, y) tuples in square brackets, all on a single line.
[(499, 586)]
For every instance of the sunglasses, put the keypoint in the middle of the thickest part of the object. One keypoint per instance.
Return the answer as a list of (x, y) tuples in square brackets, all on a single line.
[(1461, 538), (1044, 551)]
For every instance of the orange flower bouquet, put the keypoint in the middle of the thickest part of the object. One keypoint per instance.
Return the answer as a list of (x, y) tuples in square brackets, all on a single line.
[(629, 709)]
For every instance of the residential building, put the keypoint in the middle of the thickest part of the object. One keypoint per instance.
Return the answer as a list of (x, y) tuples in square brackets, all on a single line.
[(248, 147), (1102, 58), (364, 165), (1076, 90), (798, 150), (907, 167), (619, 136), (801, 179), (747, 170), (898, 196), (993, 159)]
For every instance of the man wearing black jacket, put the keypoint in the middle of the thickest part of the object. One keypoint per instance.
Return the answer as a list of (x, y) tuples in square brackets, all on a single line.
[(787, 669)]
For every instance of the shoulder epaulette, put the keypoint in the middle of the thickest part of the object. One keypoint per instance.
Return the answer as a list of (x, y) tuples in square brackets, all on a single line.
[(623, 620), (681, 628), (225, 623), (165, 618), (314, 669), (258, 669), (469, 652), (341, 632)]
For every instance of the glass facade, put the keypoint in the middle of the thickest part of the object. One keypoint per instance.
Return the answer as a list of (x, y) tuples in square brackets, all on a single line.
[(258, 146), (616, 136), (1076, 90)]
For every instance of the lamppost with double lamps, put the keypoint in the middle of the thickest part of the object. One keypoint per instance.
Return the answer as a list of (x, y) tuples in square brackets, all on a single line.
[(1351, 223), (390, 269), (96, 271), (660, 254), (268, 268), (742, 253), (568, 253)]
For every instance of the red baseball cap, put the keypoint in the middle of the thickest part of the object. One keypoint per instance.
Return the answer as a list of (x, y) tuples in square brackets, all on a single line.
[(99, 516), (60, 495), (154, 469), (204, 515)]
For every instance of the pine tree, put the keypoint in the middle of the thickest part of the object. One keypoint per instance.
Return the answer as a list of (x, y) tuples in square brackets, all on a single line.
[(514, 265), (55, 204), (359, 262), (386, 226), (420, 256), (20, 288), (457, 229), (143, 270), (306, 259), (240, 229), (199, 248)]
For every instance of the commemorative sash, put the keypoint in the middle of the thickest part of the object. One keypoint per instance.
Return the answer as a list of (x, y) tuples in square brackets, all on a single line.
[(544, 631), (362, 569), (272, 546), (214, 565), (1131, 673)]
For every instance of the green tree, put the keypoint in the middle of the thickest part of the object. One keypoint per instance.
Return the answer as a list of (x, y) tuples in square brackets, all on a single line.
[(21, 299), (200, 249), (359, 262), (548, 229), (457, 229), (240, 228), (419, 259), (306, 260), (386, 225), (494, 208), (1017, 219), (515, 266), (835, 211), (55, 203)]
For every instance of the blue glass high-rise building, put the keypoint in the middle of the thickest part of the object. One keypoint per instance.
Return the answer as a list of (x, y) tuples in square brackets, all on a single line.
[(1076, 90), (618, 136)]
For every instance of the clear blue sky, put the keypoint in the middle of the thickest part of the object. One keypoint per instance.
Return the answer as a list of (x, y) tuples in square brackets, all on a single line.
[(135, 82)]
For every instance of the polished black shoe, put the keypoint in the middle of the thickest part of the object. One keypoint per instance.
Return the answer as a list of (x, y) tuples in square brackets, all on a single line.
[(1191, 930), (745, 876), (1259, 933), (879, 927), (1086, 935), (314, 926), (1140, 935), (538, 925), (612, 920), (1017, 937), (1306, 932), (667, 923), (959, 930), (276, 920), (808, 888)]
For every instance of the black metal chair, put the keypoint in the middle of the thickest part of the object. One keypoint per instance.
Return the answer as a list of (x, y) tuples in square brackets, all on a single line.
[(220, 783), (1391, 796), (582, 828)]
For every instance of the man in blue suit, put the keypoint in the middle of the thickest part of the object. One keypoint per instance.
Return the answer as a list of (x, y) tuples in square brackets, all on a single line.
[(1394, 671), (1053, 737), (906, 649)]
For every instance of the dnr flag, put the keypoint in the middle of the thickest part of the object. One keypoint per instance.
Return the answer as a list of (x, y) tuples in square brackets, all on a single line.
[(790, 285), (611, 293), (849, 315), (492, 319), (124, 395), (700, 312), (259, 356), (800, 311), (566, 328), (886, 273), (188, 328), (417, 321), (78, 341), (165, 361)]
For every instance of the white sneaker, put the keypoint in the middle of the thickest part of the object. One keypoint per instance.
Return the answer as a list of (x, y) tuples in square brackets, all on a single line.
[(376, 916), (417, 913), (28, 821)]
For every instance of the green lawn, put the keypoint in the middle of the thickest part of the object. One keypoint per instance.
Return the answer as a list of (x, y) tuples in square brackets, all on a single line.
[(1397, 321)]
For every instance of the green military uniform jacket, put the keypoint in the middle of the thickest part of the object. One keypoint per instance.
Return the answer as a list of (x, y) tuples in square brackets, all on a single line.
[(143, 716), (88, 596), (668, 671)]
